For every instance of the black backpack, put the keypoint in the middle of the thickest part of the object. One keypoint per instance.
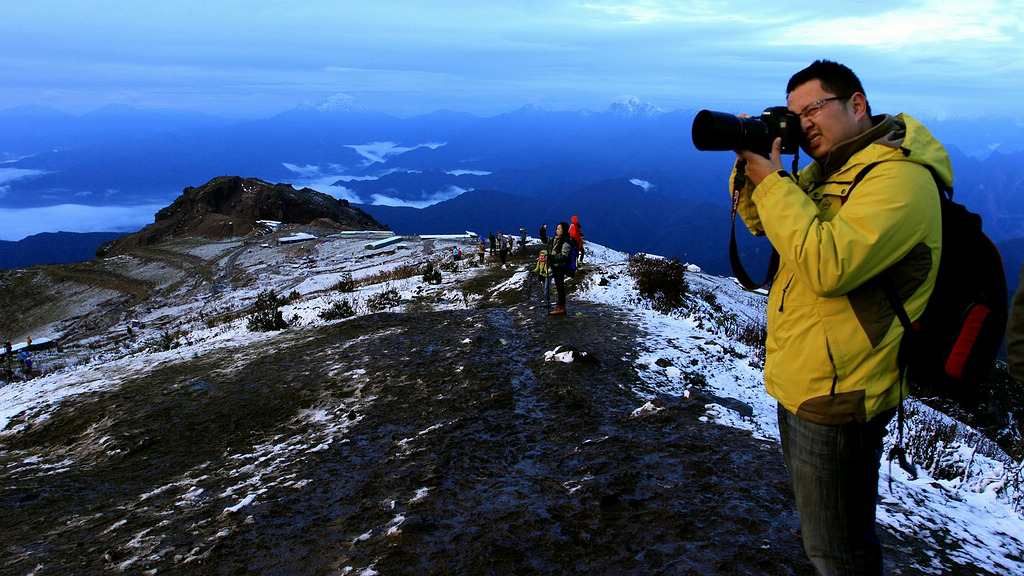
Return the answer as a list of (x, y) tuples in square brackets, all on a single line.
[(573, 255), (953, 345)]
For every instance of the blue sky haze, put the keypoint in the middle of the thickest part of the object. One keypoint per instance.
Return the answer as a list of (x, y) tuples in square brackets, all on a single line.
[(256, 58)]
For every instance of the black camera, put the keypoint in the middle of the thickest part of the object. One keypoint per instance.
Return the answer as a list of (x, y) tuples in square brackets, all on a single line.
[(723, 131)]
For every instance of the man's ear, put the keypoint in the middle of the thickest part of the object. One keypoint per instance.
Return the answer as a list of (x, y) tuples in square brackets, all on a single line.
[(859, 105)]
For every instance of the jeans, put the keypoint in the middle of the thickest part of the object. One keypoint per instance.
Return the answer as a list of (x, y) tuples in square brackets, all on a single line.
[(834, 472)]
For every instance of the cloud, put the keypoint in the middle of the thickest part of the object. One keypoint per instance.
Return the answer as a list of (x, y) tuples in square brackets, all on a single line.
[(375, 152), (938, 22), (326, 180), (22, 222), (634, 12), (468, 172), (11, 174), (341, 193), (311, 175), (439, 196), (410, 58), (304, 171), (642, 183)]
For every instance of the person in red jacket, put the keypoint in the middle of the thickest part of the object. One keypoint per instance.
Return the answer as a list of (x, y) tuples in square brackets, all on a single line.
[(577, 234)]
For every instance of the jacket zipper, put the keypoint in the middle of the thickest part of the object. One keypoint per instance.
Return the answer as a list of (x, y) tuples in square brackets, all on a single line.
[(782, 300), (835, 371)]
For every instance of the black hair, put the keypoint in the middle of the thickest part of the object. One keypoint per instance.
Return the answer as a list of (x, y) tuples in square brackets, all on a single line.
[(565, 233), (834, 77)]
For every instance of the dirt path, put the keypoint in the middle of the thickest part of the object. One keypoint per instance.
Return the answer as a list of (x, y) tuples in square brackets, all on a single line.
[(475, 456), (403, 443)]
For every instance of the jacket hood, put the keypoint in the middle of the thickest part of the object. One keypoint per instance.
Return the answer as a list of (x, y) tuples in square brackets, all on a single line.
[(916, 143), (899, 137), (843, 151)]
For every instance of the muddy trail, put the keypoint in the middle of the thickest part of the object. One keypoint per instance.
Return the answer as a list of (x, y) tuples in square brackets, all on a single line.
[(398, 443)]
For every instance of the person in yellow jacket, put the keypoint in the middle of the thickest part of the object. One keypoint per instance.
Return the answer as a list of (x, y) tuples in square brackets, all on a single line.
[(832, 337), (544, 274)]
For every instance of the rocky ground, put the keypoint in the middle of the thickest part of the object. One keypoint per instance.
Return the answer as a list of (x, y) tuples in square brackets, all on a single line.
[(425, 442), (463, 452)]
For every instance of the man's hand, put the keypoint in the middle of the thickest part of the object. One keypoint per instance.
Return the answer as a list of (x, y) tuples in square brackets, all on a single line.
[(759, 167)]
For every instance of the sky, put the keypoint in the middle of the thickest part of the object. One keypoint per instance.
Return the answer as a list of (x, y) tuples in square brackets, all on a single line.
[(933, 59), (256, 58)]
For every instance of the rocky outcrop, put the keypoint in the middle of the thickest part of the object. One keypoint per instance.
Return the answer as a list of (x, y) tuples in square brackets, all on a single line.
[(229, 206)]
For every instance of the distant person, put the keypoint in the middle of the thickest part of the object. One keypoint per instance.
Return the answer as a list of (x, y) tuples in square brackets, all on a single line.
[(8, 362), (522, 238), (494, 242), (456, 254), (543, 233), (558, 262), (482, 250), (1015, 333), (543, 272), (833, 338), (26, 362), (503, 246), (576, 231)]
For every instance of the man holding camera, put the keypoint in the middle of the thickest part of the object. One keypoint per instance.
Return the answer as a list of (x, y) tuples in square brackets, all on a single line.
[(867, 204)]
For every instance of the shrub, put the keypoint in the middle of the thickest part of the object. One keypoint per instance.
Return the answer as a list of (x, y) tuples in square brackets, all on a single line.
[(951, 450), (338, 311), (431, 275), (383, 300), (392, 275), (346, 283), (707, 295), (266, 314), (753, 333), (695, 379), (167, 341), (659, 281)]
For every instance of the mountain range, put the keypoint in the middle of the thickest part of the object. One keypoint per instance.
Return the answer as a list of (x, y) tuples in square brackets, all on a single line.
[(630, 173)]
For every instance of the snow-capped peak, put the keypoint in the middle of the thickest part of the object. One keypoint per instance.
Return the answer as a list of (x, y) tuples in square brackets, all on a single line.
[(633, 107)]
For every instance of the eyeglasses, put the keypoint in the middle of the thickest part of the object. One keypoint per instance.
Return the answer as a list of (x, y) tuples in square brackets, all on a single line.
[(812, 109)]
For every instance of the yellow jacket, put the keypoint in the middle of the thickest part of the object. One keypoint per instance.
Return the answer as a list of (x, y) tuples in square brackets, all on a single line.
[(542, 269), (832, 335)]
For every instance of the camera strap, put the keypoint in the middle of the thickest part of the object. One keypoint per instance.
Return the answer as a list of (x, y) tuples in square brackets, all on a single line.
[(738, 184)]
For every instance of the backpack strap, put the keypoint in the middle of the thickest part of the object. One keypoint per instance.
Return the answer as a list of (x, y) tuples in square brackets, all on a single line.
[(738, 184), (907, 344)]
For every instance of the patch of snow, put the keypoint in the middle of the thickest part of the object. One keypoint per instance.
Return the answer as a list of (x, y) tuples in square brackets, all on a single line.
[(676, 354)]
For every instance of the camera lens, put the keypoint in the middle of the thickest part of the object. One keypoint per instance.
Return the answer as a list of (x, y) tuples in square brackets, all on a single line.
[(717, 131)]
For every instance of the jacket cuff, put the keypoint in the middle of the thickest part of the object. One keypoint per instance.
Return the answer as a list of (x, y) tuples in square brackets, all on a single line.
[(769, 182)]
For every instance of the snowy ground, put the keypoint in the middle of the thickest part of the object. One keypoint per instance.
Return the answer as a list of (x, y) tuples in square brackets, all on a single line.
[(975, 508), (971, 516)]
